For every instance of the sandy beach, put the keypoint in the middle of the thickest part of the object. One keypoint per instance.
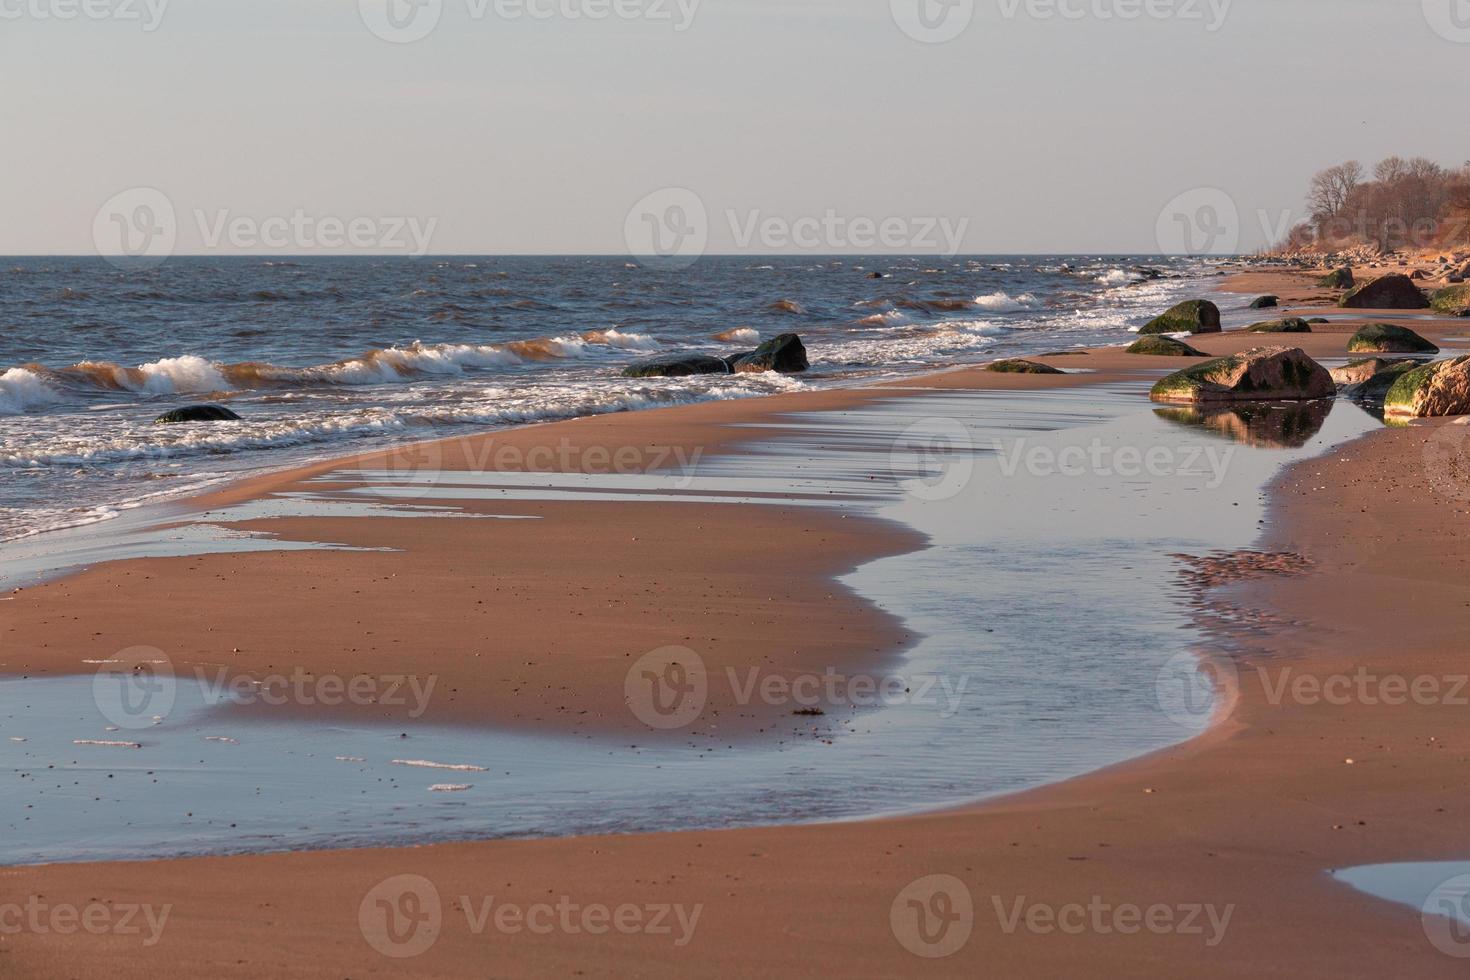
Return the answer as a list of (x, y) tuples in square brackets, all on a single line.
[(1211, 858)]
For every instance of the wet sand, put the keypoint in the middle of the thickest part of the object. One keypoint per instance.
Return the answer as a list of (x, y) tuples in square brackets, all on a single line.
[(1249, 817)]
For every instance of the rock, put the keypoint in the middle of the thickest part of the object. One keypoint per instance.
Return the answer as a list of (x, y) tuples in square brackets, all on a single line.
[(1386, 293), (1191, 316), (1021, 367), (784, 354), (1373, 376), (1262, 374), (1341, 279), (877, 275), (1292, 324), (1319, 319), (1432, 391), (1418, 274), (1164, 347), (1452, 301), (1265, 302), (1385, 338), (197, 413), (676, 366)]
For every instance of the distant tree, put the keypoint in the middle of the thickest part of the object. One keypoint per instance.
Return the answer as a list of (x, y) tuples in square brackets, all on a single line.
[(1331, 189)]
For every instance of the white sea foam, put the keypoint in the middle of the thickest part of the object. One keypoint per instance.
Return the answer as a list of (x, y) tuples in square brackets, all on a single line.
[(1002, 302), (424, 764), (21, 390)]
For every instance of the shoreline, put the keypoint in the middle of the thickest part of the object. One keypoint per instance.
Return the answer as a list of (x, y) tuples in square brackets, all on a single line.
[(1041, 843)]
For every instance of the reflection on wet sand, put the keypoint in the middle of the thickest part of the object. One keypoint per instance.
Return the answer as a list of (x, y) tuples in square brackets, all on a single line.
[(1266, 425)]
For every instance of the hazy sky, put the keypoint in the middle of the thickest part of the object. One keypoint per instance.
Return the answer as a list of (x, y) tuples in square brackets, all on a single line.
[(502, 132)]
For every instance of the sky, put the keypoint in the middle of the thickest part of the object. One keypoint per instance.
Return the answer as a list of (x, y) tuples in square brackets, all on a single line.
[(301, 126)]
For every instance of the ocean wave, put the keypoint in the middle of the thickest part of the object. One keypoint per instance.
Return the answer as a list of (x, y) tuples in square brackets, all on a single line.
[(33, 385), (1002, 302), (740, 335)]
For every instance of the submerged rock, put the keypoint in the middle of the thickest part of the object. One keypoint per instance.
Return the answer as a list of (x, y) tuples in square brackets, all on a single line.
[(1393, 292), (1341, 279), (1292, 324), (1262, 374), (1164, 347), (1431, 391), (676, 366), (1265, 302), (785, 354), (1453, 301), (1021, 367), (197, 413), (1385, 338), (1191, 316)]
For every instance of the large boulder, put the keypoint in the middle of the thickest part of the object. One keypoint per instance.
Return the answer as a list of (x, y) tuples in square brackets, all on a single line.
[(1016, 366), (1432, 391), (1292, 324), (1341, 279), (1385, 338), (1163, 347), (1393, 292), (1262, 374), (1453, 301), (676, 366), (785, 354), (196, 413), (1191, 316), (1265, 302)]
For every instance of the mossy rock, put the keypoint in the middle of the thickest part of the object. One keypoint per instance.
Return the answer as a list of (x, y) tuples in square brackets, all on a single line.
[(196, 413), (1191, 316), (1435, 390), (784, 354), (1371, 377), (1292, 324), (1452, 301), (1262, 374), (1394, 292), (1340, 279), (1021, 367), (1319, 319), (1385, 338), (1265, 302), (1163, 347)]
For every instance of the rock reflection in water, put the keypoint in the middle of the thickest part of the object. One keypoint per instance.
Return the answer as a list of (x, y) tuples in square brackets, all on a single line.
[(1269, 425)]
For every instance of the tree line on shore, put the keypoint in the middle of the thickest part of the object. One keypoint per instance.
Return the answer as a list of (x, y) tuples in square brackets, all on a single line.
[(1403, 203)]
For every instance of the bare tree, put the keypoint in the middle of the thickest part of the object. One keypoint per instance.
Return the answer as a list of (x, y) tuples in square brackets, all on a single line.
[(1331, 189)]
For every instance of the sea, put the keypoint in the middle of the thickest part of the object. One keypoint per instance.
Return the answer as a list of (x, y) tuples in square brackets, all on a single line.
[(330, 356)]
